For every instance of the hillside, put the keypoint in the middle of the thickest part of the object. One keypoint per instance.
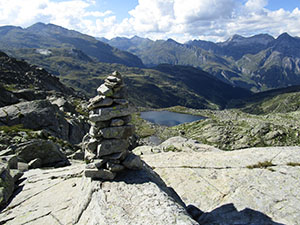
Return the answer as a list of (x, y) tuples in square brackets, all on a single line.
[(44, 36), (281, 100), (161, 86), (257, 63)]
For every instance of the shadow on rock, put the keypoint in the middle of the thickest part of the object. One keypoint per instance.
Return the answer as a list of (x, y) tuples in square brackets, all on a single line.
[(228, 214), (147, 175)]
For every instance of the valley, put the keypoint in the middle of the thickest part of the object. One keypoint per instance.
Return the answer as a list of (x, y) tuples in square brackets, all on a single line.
[(239, 163)]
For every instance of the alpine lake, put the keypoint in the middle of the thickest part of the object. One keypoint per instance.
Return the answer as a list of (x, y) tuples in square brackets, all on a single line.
[(167, 118)]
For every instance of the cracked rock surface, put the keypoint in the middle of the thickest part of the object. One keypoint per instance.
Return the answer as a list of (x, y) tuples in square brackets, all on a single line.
[(250, 186), (64, 196)]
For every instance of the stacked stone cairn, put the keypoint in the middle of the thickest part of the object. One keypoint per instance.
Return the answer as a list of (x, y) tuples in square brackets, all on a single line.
[(106, 144)]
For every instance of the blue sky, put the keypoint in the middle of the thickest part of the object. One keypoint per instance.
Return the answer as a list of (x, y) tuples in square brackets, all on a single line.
[(182, 20)]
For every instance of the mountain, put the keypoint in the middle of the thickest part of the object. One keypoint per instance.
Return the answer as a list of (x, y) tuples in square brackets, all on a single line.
[(46, 36), (257, 63), (282, 100), (161, 86)]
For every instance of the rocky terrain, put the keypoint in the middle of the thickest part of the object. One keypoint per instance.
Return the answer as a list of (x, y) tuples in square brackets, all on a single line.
[(63, 196), (42, 122), (249, 186), (187, 179), (230, 129)]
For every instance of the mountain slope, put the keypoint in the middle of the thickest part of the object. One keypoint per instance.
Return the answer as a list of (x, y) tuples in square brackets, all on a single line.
[(283, 100), (51, 36), (257, 63), (161, 86)]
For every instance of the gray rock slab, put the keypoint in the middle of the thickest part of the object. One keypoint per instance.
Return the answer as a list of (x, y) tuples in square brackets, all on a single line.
[(213, 180), (63, 196), (121, 132), (108, 147), (117, 122), (99, 101), (104, 114)]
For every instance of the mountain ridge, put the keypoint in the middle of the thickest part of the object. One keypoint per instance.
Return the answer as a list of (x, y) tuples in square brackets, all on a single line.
[(42, 35), (248, 62)]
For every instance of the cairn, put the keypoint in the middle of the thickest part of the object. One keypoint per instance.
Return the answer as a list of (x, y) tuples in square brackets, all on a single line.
[(106, 144)]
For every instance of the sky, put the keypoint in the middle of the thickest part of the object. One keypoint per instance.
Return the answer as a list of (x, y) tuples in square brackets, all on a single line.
[(181, 20)]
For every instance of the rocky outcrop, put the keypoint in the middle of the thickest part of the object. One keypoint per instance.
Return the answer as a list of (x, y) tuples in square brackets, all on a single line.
[(250, 186), (64, 196), (7, 97), (42, 115), (106, 145), (39, 153), (21, 75)]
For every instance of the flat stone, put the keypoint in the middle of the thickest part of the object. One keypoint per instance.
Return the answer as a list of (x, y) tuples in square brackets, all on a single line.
[(117, 122), (114, 79), (99, 101), (102, 174), (107, 147), (122, 132), (104, 90), (115, 167), (104, 114), (121, 101), (111, 84), (133, 162)]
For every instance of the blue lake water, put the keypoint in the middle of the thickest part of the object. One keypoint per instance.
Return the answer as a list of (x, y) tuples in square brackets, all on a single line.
[(167, 118)]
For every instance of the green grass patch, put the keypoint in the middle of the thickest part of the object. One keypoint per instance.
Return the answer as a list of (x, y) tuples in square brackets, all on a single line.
[(172, 148), (14, 129), (293, 164), (261, 165)]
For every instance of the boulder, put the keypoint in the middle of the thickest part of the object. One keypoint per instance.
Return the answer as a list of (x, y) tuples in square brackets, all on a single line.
[(7, 97), (47, 151), (7, 184), (133, 162)]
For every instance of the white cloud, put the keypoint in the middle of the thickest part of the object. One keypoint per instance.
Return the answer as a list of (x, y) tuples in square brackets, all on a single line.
[(256, 5), (181, 20)]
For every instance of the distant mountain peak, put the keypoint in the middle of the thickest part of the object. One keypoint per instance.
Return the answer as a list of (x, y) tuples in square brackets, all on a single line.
[(284, 36), (170, 40)]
